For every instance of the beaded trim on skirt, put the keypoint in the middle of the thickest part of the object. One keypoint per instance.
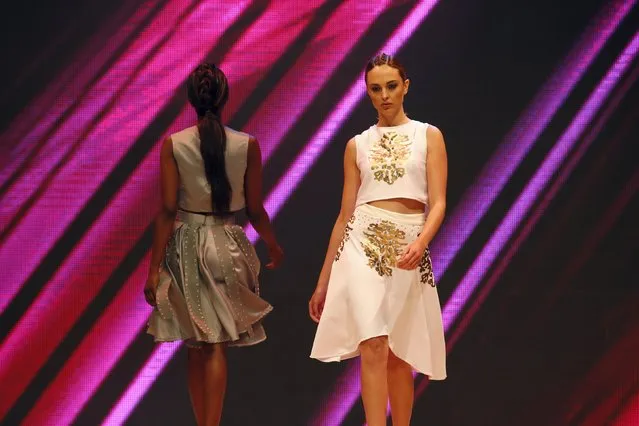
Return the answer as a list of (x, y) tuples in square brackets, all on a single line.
[(208, 290)]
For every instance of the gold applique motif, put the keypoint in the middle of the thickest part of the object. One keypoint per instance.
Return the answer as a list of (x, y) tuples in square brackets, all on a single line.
[(388, 157), (345, 237), (383, 246), (426, 269)]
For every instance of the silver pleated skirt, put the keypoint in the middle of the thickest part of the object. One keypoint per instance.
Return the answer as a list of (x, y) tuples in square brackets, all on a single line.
[(208, 290)]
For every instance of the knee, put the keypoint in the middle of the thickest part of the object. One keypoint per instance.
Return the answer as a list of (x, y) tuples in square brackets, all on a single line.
[(375, 350)]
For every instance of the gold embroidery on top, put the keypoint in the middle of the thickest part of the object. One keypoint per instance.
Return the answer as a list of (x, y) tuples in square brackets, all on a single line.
[(345, 237), (383, 246), (388, 157), (426, 269)]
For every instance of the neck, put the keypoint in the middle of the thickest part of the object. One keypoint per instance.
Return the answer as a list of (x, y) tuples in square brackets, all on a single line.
[(397, 119)]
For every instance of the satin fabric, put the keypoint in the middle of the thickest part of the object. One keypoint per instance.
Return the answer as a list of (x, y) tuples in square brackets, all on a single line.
[(208, 290), (194, 190)]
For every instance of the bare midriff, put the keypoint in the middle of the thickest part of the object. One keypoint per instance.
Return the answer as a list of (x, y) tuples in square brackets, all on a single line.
[(399, 205)]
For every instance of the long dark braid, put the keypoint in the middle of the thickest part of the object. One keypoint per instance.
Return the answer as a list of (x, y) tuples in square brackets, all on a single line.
[(208, 92)]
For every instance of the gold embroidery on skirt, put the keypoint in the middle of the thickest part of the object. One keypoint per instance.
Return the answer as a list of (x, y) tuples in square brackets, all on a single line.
[(426, 269), (345, 237), (383, 246), (388, 156)]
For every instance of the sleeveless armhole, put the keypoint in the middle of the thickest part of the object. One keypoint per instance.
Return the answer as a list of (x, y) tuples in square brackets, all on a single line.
[(357, 151)]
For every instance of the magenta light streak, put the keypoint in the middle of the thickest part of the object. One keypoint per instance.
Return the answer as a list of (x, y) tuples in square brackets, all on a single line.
[(574, 67), (313, 149), (630, 414), (66, 395), (141, 384), (535, 186), (81, 175), (161, 356), (498, 170), (540, 205), (65, 90), (349, 392), (124, 211), (93, 103), (312, 70), (256, 51), (77, 277), (331, 31)]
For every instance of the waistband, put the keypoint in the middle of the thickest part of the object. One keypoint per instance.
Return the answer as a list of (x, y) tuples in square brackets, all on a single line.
[(204, 219), (403, 218)]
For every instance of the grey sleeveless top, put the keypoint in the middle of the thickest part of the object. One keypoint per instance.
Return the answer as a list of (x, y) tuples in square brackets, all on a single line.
[(195, 192)]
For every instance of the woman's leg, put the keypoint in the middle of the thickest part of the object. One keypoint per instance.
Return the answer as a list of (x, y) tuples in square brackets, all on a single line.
[(215, 382), (401, 389), (196, 383), (374, 356)]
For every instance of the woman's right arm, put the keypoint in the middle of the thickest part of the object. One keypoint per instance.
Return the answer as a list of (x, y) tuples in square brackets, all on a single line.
[(349, 197), (255, 210)]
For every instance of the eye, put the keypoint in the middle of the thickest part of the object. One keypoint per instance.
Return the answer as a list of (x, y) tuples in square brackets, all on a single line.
[(376, 88), (392, 86)]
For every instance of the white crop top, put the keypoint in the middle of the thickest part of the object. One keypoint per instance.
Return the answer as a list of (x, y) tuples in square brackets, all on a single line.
[(194, 193), (392, 162)]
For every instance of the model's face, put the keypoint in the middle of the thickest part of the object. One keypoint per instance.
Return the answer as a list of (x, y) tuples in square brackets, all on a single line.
[(386, 89)]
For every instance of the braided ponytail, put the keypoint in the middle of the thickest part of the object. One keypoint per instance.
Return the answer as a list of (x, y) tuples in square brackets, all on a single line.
[(208, 92)]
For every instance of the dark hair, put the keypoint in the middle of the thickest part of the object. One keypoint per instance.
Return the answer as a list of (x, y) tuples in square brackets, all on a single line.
[(384, 59), (208, 91)]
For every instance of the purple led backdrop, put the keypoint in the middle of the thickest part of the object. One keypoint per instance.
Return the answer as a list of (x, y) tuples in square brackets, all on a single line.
[(524, 113)]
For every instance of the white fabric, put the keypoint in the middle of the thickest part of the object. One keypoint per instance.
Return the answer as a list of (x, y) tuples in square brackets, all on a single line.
[(392, 162), (361, 303)]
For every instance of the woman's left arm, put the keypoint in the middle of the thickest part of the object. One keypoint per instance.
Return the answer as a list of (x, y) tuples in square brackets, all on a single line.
[(436, 177), (170, 180)]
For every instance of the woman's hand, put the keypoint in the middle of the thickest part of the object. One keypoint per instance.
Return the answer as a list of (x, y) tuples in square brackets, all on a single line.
[(276, 255), (150, 288), (413, 254), (316, 304)]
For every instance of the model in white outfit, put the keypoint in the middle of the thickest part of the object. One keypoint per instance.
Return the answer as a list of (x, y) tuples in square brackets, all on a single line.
[(376, 296)]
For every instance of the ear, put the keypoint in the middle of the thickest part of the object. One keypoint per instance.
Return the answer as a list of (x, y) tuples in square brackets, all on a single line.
[(406, 84)]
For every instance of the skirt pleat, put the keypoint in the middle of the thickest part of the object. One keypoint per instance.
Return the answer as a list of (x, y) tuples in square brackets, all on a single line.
[(208, 290)]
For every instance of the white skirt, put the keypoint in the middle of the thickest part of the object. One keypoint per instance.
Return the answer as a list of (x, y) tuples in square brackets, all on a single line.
[(368, 296)]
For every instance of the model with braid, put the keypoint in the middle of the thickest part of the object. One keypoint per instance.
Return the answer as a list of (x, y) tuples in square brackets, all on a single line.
[(203, 275)]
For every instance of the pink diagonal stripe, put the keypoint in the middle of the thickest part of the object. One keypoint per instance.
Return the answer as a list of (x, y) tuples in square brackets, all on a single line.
[(73, 187), (522, 137), (317, 64), (582, 56), (65, 90), (93, 103), (61, 404), (162, 355), (122, 335), (124, 211), (524, 203), (83, 173)]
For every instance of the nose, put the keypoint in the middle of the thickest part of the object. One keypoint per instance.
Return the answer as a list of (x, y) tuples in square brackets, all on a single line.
[(384, 94)]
